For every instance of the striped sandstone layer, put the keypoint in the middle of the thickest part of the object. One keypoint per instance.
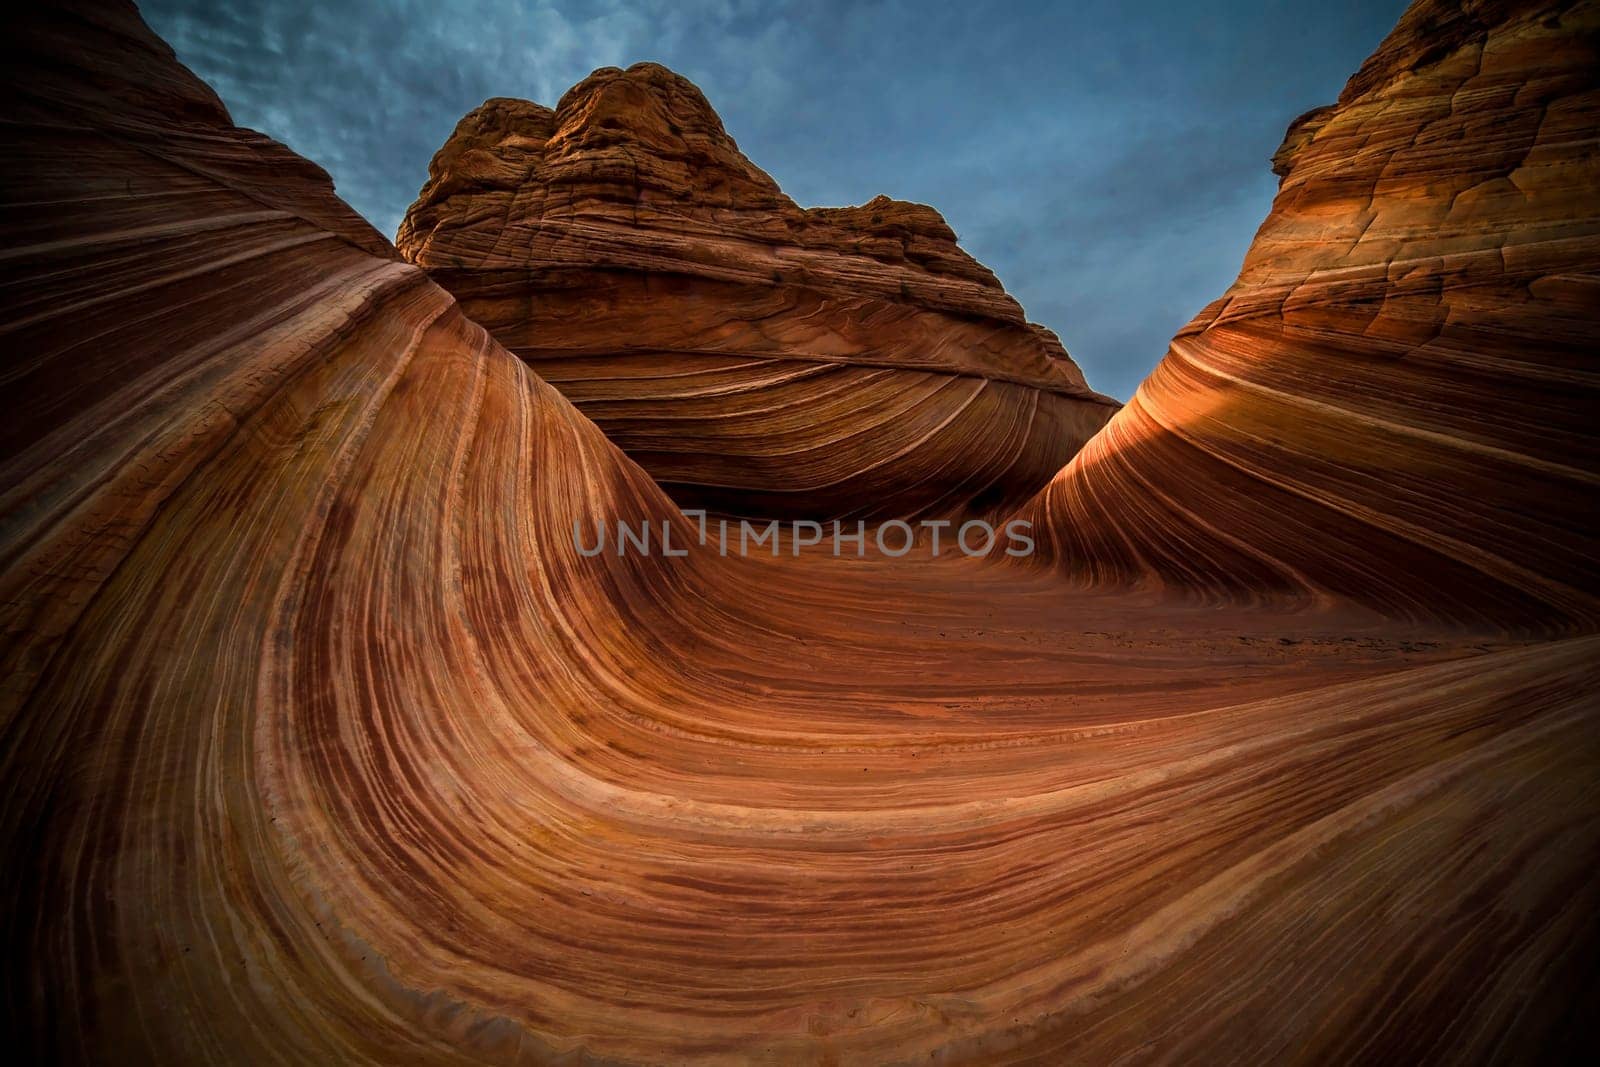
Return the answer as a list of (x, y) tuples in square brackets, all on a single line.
[(755, 357), (321, 743), (1396, 400)]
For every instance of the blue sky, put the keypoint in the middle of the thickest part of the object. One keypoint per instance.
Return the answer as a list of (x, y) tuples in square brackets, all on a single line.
[(1109, 161)]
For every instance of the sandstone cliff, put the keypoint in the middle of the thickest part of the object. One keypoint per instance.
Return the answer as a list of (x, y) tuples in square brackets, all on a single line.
[(1395, 401), (755, 357)]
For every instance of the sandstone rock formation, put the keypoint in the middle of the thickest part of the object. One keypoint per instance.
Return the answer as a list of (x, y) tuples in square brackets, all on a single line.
[(322, 743), (1396, 400), (754, 357)]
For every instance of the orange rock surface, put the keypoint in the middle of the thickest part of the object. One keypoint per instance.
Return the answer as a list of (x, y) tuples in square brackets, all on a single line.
[(1396, 400), (322, 742), (755, 357)]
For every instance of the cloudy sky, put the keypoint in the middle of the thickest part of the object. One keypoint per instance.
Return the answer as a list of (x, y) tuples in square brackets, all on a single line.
[(1108, 160)]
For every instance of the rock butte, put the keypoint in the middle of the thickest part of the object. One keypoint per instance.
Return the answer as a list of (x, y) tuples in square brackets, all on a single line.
[(322, 743), (754, 357)]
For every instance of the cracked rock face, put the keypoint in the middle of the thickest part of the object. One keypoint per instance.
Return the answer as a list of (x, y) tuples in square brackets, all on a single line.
[(1396, 400), (755, 357)]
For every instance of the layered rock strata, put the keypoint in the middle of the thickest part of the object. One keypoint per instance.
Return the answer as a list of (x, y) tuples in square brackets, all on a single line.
[(322, 743), (753, 356), (1395, 401)]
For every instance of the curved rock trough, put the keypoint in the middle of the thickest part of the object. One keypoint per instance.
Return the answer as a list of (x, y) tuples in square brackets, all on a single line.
[(323, 742)]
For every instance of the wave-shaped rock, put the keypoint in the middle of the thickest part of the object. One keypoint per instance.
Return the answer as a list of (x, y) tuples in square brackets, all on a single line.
[(322, 742), (754, 356), (1395, 401)]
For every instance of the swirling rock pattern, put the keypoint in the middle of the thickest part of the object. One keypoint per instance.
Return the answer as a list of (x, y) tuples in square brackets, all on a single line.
[(1395, 401), (756, 358), (322, 742)]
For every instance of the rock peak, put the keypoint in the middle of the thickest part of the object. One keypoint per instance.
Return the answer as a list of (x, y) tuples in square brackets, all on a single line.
[(614, 116), (639, 96), (647, 136), (626, 225)]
